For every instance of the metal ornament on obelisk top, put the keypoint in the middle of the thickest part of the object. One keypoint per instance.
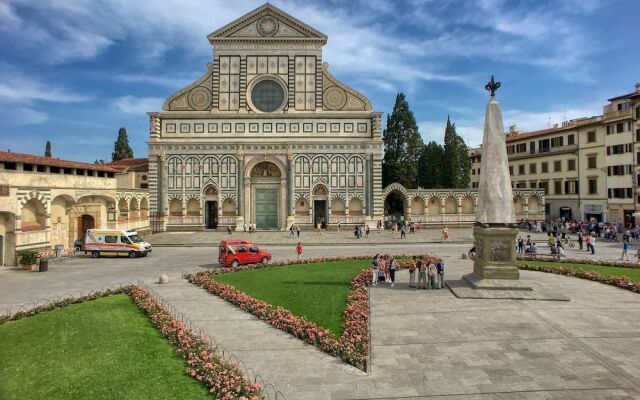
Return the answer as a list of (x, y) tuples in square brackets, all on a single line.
[(494, 230)]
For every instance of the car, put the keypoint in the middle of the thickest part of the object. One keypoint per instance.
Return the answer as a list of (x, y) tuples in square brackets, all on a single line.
[(235, 252)]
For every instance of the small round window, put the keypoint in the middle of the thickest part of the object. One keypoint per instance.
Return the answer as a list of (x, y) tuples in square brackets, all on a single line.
[(267, 95)]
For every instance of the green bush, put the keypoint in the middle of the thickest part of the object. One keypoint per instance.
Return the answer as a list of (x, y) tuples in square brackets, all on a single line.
[(28, 257)]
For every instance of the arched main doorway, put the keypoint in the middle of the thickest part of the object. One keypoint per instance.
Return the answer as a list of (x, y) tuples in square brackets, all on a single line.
[(84, 222), (210, 207), (265, 190), (394, 207), (320, 199)]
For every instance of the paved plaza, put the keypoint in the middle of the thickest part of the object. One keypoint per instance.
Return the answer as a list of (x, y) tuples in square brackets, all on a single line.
[(425, 344)]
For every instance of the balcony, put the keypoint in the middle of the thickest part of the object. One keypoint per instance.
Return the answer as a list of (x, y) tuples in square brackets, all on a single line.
[(616, 114)]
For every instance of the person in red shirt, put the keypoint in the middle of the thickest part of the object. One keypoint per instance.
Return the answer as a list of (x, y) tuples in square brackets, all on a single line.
[(299, 250)]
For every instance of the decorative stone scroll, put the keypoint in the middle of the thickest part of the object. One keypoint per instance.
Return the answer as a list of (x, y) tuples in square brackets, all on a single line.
[(339, 97)]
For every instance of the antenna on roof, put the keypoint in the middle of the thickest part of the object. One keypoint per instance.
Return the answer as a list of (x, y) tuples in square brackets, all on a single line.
[(549, 123)]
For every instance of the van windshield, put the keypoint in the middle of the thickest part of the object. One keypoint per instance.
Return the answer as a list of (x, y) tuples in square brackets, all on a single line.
[(135, 239)]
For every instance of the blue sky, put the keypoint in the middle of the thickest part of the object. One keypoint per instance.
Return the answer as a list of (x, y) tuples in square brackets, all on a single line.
[(75, 71)]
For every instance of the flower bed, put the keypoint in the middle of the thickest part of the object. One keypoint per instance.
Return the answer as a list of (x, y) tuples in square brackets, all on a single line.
[(603, 263), (352, 346), (223, 379), (621, 282)]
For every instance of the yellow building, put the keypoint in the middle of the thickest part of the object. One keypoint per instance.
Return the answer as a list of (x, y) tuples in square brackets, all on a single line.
[(46, 201), (588, 167)]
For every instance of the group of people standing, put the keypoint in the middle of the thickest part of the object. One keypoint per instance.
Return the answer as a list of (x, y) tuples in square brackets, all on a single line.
[(430, 273)]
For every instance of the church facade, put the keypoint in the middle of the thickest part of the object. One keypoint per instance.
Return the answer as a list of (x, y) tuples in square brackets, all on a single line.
[(267, 136)]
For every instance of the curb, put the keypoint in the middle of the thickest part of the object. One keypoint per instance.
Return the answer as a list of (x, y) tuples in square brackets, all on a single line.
[(281, 244)]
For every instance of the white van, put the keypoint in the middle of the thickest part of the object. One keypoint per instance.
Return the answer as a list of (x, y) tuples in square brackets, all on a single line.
[(113, 242)]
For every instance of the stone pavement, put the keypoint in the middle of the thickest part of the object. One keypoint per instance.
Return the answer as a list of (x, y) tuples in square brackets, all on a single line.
[(425, 344)]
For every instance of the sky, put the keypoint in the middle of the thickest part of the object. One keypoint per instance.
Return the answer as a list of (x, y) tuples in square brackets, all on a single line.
[(75, 71)]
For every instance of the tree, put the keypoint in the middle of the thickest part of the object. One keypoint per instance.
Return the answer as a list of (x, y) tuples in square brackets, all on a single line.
[(456, 175), (431, 166), (47, 149), (402, 146), (121, 147), (101, 161)]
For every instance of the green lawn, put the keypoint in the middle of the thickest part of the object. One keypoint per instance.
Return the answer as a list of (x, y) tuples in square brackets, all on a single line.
[(100, 349), (316, 291), (631, 273)]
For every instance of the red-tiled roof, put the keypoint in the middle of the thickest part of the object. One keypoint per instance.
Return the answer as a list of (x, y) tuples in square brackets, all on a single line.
[(129, 163), (54, 162), (624, 96)]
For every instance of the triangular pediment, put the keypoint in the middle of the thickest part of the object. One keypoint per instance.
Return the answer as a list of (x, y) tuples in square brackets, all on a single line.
[(267, 23)]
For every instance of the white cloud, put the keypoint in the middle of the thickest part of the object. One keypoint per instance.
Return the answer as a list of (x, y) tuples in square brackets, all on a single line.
[(531, 121), (24, 116), (137, 105), (16, 87)]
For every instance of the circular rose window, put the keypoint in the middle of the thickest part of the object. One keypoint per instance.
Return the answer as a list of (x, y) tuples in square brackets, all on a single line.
[(267, 95)]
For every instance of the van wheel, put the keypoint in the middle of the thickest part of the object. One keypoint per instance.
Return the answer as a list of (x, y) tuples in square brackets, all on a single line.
[(95, 254), (265, 260), (234, 264), (132, 254)]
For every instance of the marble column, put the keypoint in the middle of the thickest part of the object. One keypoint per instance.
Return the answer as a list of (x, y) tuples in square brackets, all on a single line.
[(240, 190), (289, 201)]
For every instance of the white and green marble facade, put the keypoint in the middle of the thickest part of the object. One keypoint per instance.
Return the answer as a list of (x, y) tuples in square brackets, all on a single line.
[(211, 143)]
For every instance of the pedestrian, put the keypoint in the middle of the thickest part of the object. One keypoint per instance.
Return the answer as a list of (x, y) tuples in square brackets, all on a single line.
[(338, 226), (588, 242), (229, 230), (422, 274), (520, 245), (382, 264), (392, 270), (440, 271), (625, 249), (412, 272), (366, 231), (244, 227), (580, 240), (374, 270), (403, 232), (379, 226), (291, 230), (431, 275), (394, 230), (445, 233), (318, 228), (593, 245), (638, 256), (356, 232), (297, 231), (299, 250)]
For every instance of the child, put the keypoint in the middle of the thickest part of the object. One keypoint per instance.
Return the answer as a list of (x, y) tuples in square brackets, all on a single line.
[(299, 250)]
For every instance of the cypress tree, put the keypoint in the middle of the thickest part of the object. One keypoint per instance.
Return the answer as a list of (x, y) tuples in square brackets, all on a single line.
[(431, 166), (47, 149), (456, 175), (121, 147), (402, 146)]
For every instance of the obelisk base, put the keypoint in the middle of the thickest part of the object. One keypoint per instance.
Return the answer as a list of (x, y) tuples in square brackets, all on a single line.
[(495, 262)]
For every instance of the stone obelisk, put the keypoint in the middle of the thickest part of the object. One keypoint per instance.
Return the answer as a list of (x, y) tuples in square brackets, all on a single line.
[(494, 230)]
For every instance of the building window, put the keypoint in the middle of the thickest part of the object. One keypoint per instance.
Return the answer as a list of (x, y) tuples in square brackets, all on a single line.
[(510, 149), (267, 95), (591, 136), (544, 167), (533, 184), (521, 148), (473, 171), (557, 187), (609, 129), (620, 127), (521, 185), (571, 187), (592, 161), (571, 165), (521, 169), (27, 167), (593, 185), (532, 168), (544, 186), (544, 145), (571, 139), (557, 141), (511, 169), (638, 112), (557, 166)]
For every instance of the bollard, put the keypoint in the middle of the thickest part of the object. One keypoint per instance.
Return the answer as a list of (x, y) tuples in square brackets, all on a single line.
[(464, 256), (163, 279)]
